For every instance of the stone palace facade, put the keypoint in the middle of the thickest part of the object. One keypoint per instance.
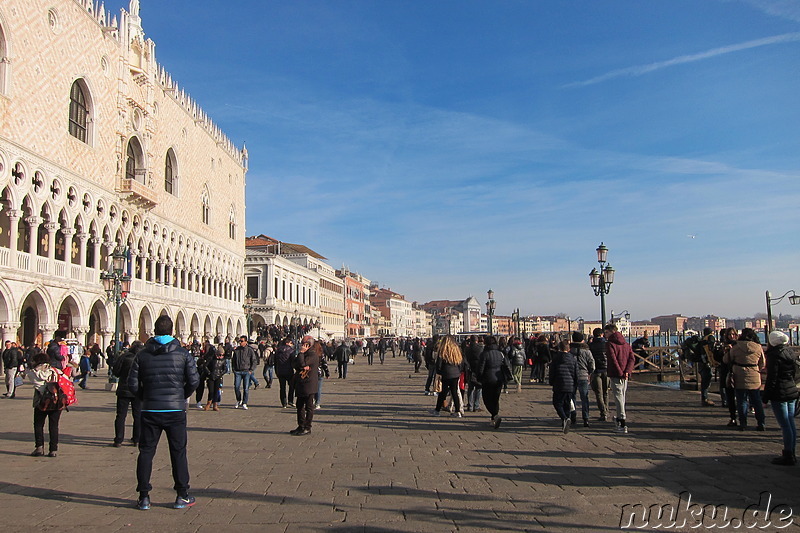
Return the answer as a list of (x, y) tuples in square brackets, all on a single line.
[(99, 147)]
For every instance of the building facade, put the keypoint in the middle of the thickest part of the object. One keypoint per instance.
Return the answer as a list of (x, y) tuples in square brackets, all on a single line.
[(394, 308), (670, 322), (99, 149), (286, 292), (358, 314)]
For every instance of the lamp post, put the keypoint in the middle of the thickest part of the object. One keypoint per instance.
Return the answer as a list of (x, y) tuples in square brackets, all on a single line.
[(490, 307), (248, 311), (602, 279), (794, 299), (296, 331), (570, 321), (117, 285)]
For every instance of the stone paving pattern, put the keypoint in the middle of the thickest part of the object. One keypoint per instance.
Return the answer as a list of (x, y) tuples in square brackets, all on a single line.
[(378, 461)]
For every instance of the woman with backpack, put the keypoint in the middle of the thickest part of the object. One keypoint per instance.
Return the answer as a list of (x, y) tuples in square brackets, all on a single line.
[(780, 389), (516, 356), (40, 374)]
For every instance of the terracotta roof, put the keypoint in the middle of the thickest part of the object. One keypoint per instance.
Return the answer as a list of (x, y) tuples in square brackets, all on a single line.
[(286, 247)]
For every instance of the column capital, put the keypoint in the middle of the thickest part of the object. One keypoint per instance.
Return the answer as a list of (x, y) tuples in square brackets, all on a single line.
[(52, 227), (68, 231), (33, 220), (82, 236), (14, 213)]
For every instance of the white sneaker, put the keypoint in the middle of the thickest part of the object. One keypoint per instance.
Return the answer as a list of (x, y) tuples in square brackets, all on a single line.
[(318, 407), (621, 429), (199, 405), (244, 406), (238, 405)]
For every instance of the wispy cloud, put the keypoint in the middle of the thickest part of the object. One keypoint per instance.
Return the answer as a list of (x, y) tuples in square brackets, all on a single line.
[(640, 70), (787, 9)]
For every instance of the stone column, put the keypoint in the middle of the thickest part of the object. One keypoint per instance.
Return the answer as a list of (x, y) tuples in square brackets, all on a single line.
[(68, 233), (14, 216), (33, 227), (80, 335), (52, 228), (8, 332), (96, 256), (47, 331), (82, 237)]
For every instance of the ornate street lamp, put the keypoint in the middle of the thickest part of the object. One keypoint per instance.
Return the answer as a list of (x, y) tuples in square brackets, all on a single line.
[(296, 333), (248, 311), (601, 280), (117, 285), (570, 321), (794, 299), (490, 307)]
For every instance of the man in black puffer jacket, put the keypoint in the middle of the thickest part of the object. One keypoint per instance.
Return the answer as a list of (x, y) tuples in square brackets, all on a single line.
[(162, 376)]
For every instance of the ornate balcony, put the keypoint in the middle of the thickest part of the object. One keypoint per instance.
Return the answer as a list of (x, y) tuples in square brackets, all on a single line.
[(139, 192)]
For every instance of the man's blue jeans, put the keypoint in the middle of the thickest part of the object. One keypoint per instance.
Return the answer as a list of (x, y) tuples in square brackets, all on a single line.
[(784, 414), (238, 377)]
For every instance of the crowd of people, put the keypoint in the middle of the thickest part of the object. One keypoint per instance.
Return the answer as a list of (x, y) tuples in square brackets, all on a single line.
[(157, 378)]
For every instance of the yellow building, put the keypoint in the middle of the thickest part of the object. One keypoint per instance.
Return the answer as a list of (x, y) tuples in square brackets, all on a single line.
[(100, 148)]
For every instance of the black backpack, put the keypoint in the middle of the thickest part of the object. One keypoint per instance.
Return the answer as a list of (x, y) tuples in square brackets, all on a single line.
[(52, 398), (692, 350)]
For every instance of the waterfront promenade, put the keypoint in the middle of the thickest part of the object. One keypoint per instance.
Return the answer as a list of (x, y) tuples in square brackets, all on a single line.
[(377, 461)]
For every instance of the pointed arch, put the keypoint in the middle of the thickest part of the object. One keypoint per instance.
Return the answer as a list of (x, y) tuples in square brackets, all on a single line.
[(5, 57), (135, 160), (205, 205), (81, 112)]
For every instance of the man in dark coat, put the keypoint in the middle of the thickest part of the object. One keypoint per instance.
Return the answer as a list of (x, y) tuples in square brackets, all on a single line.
[(12, 358), (308, 360), (564, 380), (54, 351), (162, 376), (125, 398), (244, 362)]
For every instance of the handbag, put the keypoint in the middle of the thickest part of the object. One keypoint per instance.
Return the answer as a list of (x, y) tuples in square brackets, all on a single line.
[(19, 379), (507, 376)]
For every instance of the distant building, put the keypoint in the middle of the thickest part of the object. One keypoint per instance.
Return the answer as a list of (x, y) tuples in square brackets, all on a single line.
[(638, 329), (714, 323), (423, 322), (284, 292), (454, 317), (670, 322), (358, 314), (395, 308)]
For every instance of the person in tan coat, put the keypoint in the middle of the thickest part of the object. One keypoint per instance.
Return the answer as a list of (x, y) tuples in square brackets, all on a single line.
[(747, 361)]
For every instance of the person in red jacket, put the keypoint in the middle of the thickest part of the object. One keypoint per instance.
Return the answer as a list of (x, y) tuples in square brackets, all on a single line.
[(620, 358)]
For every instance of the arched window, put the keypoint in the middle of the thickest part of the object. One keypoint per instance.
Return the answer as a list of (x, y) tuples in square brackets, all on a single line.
[(4, 62), (169, 173), (134, 167), (206, 209), (232, 224), (79, 111)]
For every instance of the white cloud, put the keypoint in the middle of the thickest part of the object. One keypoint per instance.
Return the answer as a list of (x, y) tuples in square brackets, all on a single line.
[(787, 9), (640, 70)]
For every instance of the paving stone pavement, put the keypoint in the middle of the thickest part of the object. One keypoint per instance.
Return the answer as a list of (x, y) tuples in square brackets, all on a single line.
[(377, 461)]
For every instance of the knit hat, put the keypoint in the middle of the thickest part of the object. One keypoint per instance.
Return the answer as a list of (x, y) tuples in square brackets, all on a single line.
[(776, 338), (577, 336)]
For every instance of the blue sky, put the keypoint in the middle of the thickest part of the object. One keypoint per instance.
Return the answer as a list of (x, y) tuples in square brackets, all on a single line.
[(445, 148)]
